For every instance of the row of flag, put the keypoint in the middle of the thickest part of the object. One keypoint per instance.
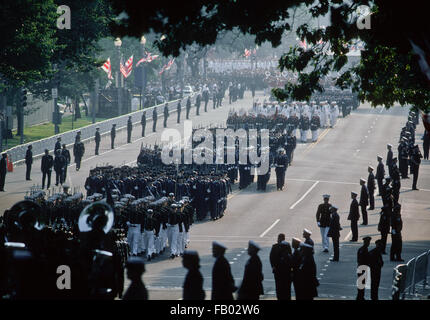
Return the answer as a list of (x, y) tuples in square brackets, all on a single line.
[(128, 66), (248, 53)]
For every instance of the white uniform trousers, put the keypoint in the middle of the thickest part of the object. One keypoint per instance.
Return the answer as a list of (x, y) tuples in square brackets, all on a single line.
[(187, 238), (172, 235), (304, 135), (323, 119), (324, 232), (314, 135), (133, 238), (180, 245), (332, 119), (148, 237), (163, 237), (142, 246)]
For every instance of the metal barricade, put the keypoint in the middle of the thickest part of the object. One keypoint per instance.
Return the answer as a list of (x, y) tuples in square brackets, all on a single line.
[(409, 282), (420, 270)]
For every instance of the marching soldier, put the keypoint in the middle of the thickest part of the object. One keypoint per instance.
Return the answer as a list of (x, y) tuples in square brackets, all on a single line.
[(371, 187), (375, 263), (112, 136), (334, 232), (354, 216), (280, 260), (252, 283), (281, 168), (380, 174), (188, 108), (363, 260), (193, 284), (78, 153), (143, 122), (28, 162), (154, 119), (178, 111), (129, 129), (315, 124), (166, 114), (222, 279), (364, 200), (46, 168), (304, 127), (415, 165), (323, 220), (97, 139), (148, 238), (173, 230)]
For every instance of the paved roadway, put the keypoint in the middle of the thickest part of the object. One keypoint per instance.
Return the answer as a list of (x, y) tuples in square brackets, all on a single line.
[(333, 165)]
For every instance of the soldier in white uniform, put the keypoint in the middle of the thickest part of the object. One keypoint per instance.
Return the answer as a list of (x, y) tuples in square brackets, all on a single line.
[(173, 230), (148, 235), (134, 224), (323, 118), (334, 112)]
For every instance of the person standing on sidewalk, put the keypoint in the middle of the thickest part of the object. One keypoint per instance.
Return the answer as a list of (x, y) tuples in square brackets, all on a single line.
[(334, 232), (66, 154), (78, 153), (323, 220), (3, 171), (46, 168), (354, 216), (28, 162), (97, 139), (112, 136), (364, 200), (129, 129)]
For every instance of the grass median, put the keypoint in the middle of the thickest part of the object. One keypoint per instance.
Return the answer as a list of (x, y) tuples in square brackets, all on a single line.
[(46, 130)]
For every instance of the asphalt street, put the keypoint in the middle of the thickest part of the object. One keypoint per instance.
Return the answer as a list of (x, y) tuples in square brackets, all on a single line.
[(334, 165)]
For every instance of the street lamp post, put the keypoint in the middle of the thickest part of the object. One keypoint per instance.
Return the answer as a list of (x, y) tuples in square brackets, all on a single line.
[(118, 44), (55, 96), (143, 84)]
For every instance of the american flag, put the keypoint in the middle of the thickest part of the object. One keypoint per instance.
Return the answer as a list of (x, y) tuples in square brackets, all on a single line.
[(107, 68), (148, 58), (247, 53), (167, 66), (303, 44), (126, 69)]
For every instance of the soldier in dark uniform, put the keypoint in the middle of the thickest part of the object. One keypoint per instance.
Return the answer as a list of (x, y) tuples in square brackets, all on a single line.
[(389, 161), (395, 175), (206, 97), (166, 114), (178, 111), (403, 158), (222, 278), (59, 164), (137, 290), (363, 260), (28, 162), (154, 119), (188, 107), (371, 187), (3, 171), (193, 284), (323, 220), (290, 146), (415, 165), (97, 139), (307, 235), (380, 174), (280, 260), (252, 283), (112, 136), (334, 232), (364, 200), (143, 123), (296, 258), (426, 144), (57, 145), (307, 275), (198, 101), (384, 225), (66, 154), (354, 216), (396, 234), (78, 153), (281, 163), (129, 129), (46, 168), (375, 263)]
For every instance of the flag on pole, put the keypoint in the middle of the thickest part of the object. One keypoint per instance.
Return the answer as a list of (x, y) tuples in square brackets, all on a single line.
[(167, 66), (107, 68), (247, 53), (148, 58), (126, 69)]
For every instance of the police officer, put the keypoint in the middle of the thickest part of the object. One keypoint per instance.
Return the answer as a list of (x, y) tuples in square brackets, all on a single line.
[(97, 139), (222, 279), (371, 187), (363, 260), (166, 114), (364, 200), (178, 111), (78, 153), (46, 168), (323, 220), (415, 165), (66, 154), (334, 232), (143, 123), (252, 283), (380, 174), (375, 263), (354, 216), (281, 168), (129, 129), (3, 171), (28, 162), (154, 119), (112, 136), (188, 107)]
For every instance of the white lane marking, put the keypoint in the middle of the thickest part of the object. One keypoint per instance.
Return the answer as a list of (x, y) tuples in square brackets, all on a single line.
[(234, 259), (348, 235), (307, 192), (268, 229)]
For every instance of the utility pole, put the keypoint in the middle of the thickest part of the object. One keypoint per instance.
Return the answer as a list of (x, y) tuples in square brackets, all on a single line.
[(22, 103), (118, 44), (56, 115)]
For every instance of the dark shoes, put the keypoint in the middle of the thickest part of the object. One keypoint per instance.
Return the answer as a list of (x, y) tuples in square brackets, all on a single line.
[(325, 250), (353, 240), (334, 260)]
